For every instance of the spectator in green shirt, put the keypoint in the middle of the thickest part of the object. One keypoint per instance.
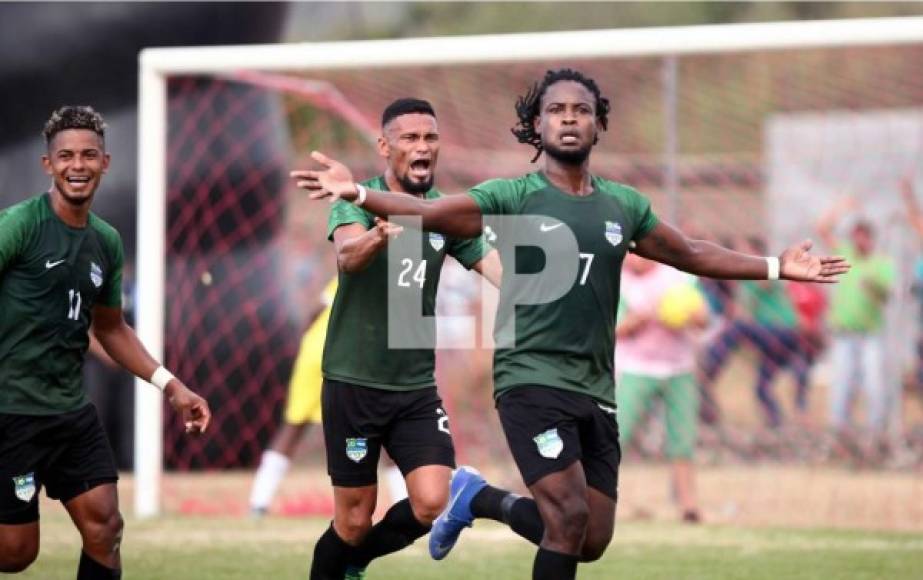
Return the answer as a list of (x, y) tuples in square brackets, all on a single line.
[(856, 319)]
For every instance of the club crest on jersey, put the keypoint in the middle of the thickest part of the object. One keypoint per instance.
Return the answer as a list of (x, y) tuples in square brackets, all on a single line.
[(96, 274), (24, 486), (613, 233), (356, 448), (437, 241), (549, 444)]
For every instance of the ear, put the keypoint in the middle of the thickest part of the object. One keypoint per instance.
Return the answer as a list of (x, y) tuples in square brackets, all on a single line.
[(106, 159), (46, 164), (384, 150)]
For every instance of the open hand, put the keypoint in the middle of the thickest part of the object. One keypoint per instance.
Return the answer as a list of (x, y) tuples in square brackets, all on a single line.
[(796, 263), (333, 180)]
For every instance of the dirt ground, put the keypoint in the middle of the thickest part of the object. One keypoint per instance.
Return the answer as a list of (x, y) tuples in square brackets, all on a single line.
[(746, 495)]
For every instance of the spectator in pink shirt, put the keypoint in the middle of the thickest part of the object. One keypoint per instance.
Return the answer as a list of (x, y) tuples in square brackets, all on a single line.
[(655, 358)]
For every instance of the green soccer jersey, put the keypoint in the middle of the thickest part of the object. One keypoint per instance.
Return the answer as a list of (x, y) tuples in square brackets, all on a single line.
[(567, 343), (51, 276), (357, 350)]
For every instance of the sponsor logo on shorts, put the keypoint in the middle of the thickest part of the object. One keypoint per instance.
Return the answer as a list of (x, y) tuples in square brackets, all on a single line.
[(549, 444), (24, 485), (613, 233), (357, 448), (437, 241)]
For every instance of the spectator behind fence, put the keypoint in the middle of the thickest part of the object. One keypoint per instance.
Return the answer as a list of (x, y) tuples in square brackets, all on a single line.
[(856, 320), (656, 358), (810, 303), (765, 318), (915, 216)]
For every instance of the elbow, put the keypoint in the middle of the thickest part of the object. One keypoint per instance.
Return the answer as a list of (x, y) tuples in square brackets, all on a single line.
[(349, 263), (346, 265), (689, 258)]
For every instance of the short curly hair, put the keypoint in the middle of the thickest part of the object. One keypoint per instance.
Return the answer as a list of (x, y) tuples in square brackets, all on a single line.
[(528, 106), (74, 117)]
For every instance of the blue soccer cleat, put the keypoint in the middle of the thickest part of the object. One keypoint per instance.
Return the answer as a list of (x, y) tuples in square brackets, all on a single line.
[(466, 483)]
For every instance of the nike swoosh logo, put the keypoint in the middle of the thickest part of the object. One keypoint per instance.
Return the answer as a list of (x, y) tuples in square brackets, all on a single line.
[(548, 227), (49, 264)]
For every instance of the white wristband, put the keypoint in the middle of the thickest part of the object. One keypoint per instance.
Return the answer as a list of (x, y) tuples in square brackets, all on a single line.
[(363, 193), (773, 268), (161, 377)]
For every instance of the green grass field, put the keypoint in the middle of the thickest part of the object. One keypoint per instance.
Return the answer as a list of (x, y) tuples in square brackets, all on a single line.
[(238, 548), (763, 522)]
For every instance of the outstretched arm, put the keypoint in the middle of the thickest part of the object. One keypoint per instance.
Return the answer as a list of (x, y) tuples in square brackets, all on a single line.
[(122, 344), (453, 215), (668, 245)]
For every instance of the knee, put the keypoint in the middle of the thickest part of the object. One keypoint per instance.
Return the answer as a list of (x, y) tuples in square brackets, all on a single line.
[(106, 532), (428, 506), (16, 556), (594, 551), (569, 523), (353, 526)]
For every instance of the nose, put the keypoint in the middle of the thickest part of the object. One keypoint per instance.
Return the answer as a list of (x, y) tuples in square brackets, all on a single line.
[(77, 162)]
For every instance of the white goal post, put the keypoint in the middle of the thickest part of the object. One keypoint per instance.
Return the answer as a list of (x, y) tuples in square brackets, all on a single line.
[(157, 64)]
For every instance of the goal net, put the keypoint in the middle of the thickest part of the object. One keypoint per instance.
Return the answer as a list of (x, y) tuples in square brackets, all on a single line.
[(743, 133)]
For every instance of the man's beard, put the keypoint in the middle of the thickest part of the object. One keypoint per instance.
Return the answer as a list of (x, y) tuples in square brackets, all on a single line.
[(568, 156), (415, 187)]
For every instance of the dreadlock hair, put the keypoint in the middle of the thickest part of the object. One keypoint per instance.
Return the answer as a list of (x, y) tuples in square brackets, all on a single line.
[(74, 117), (528, 105)]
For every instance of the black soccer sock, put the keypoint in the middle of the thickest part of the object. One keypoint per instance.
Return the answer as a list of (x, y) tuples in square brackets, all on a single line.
[(519, 513), (90, 569), (397, 530), (554, 566), (331, 555)]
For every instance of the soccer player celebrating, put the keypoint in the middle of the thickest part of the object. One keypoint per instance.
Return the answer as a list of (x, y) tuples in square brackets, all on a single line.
[(60, 275), (373, 395), (554, 387)]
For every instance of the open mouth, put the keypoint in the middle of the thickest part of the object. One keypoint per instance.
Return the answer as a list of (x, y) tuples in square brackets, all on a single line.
[(78, 181), (570, 138), (421, 168)]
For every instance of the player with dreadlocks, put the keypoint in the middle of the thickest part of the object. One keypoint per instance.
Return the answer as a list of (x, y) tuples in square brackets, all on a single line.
[(554, 388)]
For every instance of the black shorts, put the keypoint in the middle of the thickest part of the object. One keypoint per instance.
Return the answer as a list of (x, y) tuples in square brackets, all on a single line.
[(68, 453), (548, 429), (411, 425)]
